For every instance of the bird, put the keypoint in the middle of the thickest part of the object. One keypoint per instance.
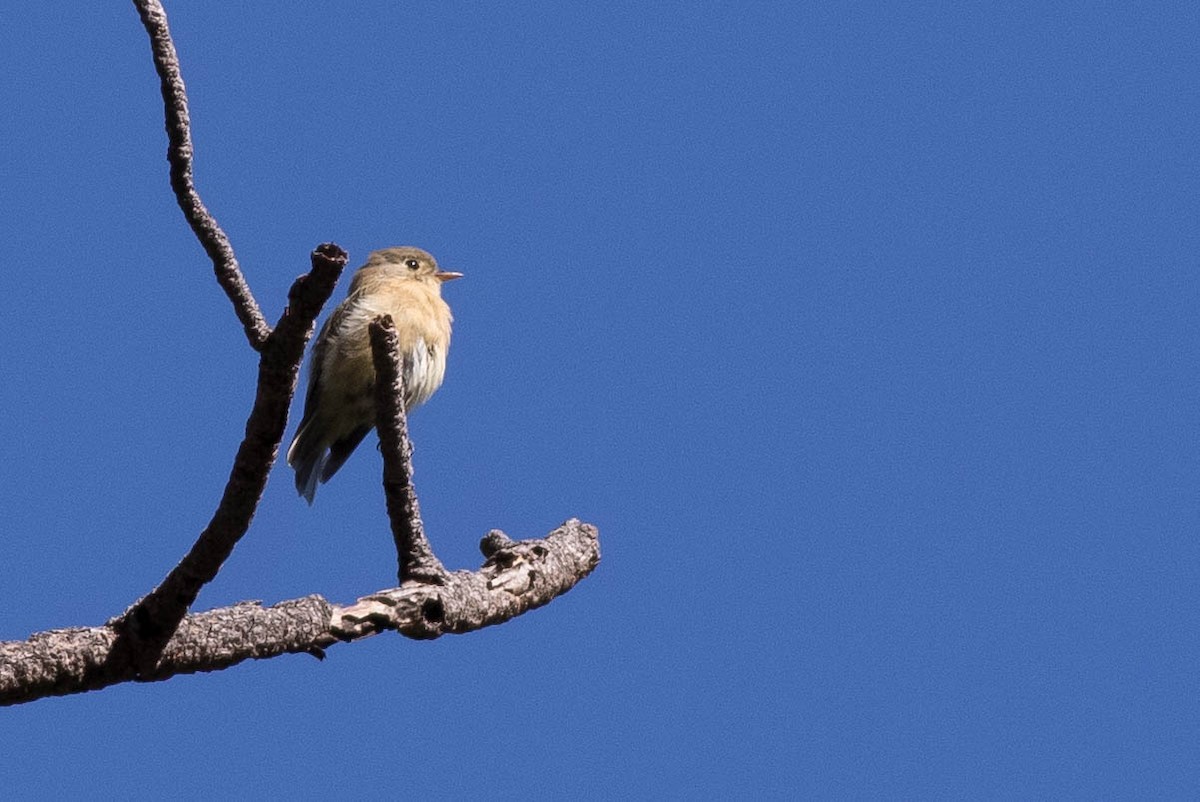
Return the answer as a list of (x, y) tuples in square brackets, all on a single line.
[(339, 406)]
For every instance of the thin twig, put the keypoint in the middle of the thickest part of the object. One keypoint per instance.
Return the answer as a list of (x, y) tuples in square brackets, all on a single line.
[(148, 625), (416, 559), (179, 154), (517, 577)]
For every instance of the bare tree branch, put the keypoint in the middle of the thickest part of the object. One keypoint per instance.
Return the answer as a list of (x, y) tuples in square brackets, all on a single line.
[(147, 625), (156, 639), (179, 154), (413, 552), (518, 576)]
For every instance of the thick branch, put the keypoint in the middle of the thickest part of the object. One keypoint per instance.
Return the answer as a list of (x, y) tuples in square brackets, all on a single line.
[(413, 552), (179, 155), (150, 622), (518, 576)]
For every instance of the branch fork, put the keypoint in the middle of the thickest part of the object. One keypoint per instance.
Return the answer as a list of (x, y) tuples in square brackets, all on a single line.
[(156, 638)]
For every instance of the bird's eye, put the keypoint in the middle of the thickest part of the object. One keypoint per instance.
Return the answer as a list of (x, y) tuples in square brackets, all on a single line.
[(412, 264)]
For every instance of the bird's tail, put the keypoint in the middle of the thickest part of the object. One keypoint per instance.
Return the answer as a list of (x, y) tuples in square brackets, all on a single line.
[(308, 455)]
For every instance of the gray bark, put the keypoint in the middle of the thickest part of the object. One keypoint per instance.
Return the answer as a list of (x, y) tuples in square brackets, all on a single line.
[(517, 576)]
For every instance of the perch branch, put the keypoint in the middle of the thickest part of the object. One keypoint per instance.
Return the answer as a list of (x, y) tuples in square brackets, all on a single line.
[(179, 155), (517, 576), (416, 559), (147, 625)]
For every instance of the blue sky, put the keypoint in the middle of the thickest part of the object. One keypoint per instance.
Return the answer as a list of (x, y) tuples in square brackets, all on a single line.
[(865, 333)]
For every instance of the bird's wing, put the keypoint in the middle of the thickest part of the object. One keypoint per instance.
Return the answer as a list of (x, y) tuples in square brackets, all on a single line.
[(332, 324)]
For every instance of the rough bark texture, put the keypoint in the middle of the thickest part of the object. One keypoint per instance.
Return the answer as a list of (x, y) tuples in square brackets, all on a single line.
[(414, 555), (179, 154), (517, 576), (146, 626)]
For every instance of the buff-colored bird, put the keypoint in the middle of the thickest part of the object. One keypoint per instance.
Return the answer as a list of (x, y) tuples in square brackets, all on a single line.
[(339, 409)]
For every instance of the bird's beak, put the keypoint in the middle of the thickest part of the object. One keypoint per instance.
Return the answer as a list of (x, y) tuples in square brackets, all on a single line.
[(447, 275)]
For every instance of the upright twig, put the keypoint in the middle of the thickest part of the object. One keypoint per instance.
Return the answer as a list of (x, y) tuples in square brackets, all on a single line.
[(415, 556), (179, 154), (148, 624), (145, 628)]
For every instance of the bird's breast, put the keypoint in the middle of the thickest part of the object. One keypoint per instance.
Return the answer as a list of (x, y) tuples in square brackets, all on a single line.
[(422, 322)]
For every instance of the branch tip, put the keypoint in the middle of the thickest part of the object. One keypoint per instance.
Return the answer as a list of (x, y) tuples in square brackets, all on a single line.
[(493, 542), (179, 155)]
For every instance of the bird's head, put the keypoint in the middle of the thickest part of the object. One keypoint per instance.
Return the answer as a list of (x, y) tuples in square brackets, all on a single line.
[(413, 262)]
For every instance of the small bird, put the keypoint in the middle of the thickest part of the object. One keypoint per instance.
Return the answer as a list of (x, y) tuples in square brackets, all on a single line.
[(339, 409)]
